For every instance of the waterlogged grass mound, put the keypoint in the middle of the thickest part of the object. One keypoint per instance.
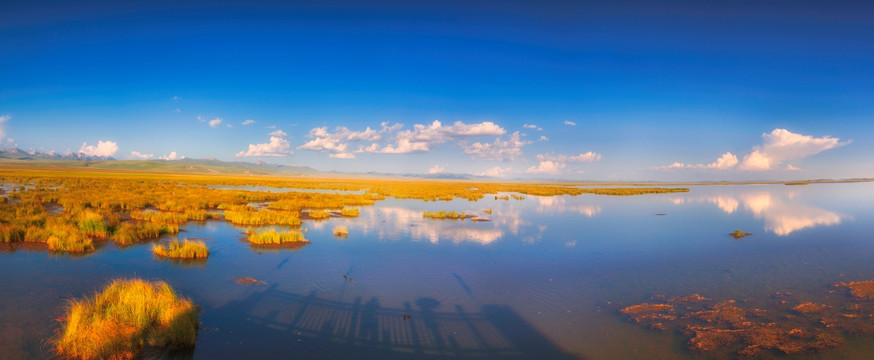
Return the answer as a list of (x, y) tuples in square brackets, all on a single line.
[(273, 237), (129, 317), (341, 231), (350, 212), (182, 250), (443, 214)]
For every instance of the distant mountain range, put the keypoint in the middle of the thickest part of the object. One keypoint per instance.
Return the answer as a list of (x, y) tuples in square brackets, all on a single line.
[(18, 154), (193, 166)]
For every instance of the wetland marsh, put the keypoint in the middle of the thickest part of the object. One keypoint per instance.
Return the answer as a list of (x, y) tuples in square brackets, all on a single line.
[(556, 273)]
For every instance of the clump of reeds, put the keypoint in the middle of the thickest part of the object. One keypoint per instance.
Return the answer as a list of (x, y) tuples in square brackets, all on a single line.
[(132, 233), (92, 224), (442, 214), (69, 242), (738, 233), (262, 217), (273, 237), (350, 212), (319, 214), (341, 231), (125, 318), (182, 250)]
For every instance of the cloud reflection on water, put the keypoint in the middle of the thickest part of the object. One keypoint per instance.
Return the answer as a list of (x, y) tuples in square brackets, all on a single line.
[(783, 212)]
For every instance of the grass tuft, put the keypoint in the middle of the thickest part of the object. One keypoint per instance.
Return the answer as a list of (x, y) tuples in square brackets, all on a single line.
[(124, 319), (182, 250), (273, 237), (341, 231)]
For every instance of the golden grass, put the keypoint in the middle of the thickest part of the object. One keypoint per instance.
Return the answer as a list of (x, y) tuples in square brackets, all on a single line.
[(341, 231), (126, 318), (132, 233), (350, 212), (182, 250), (273, 237), (263, 217), (442, 214), (319, 214)]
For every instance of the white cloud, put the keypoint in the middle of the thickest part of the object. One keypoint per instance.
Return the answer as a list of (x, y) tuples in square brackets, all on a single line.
[(571, 123), (215, 122), (530, 126), (436, 169), (248, 122), (498, 150), (546, 167), (3, 120), (276, 147), (336, 143), (279, 133), (782, 145), (170, 156), (792, 168), (103, 148), (583, 157), (422, 137), (725, 162), (141, 156), (494, 172), (543, 138)]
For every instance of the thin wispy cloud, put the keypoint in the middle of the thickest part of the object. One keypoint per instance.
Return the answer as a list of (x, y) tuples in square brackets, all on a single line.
[(3, 120), (140, 156), (215, 122), (583, 157), (570, 123), (248, 122), (496, 171), (530, 126)]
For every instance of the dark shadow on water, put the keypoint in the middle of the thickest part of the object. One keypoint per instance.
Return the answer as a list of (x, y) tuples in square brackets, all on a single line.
[(272, 323)]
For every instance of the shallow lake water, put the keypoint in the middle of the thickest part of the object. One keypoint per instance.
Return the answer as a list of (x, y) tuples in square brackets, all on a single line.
[(543, 279)]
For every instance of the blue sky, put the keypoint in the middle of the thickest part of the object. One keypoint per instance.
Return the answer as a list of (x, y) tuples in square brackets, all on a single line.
[(684, 90)]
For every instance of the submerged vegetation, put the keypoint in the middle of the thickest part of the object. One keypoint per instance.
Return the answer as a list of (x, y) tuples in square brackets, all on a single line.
[(184, 249), (128, 318)]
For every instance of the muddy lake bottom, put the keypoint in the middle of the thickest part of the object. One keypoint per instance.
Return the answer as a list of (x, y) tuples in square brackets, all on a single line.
[(546, 278)]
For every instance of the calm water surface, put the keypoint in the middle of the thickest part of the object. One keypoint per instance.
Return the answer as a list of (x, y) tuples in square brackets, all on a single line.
[(543, 279)]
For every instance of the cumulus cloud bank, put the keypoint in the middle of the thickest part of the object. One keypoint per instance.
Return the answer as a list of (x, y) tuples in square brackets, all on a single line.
[(103, 148), (782, 145), (778, 147), (546, 167), (170, 156), (277, 146)]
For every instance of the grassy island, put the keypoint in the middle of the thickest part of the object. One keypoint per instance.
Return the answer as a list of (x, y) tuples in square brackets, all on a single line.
[(128, 318)]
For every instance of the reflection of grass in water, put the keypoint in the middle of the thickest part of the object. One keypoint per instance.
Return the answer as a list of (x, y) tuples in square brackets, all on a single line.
[(197, 262), (127, 317), (182, 250), (341, 231)]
